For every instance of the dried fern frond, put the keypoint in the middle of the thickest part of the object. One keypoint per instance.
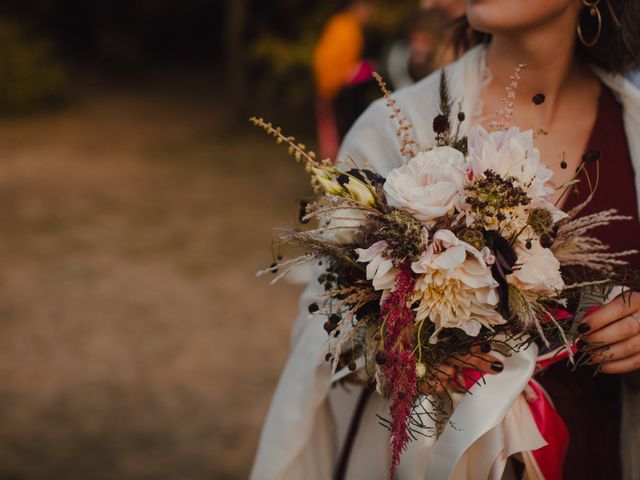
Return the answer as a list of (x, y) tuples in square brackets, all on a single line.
[(297, 150), (572, 247), (408, 145)]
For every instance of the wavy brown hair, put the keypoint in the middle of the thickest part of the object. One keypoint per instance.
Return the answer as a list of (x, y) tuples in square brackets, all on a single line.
[(617, 50)]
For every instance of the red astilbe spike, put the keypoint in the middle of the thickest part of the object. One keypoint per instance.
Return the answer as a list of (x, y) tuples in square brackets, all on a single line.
[(400, 366)]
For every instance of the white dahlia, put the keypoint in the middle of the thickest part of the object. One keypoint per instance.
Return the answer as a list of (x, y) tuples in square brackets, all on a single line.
[(455, 288)]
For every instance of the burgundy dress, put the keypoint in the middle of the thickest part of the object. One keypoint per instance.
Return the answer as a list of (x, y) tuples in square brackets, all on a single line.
[(591, 405)]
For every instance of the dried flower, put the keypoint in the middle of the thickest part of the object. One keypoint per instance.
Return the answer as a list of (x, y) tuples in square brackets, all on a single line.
[(400, 368), (540, 220), (538, 99), (441, 124), (591, 155)]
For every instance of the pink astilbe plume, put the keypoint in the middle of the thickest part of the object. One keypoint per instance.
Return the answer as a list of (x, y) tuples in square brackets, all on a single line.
[(400, 367)]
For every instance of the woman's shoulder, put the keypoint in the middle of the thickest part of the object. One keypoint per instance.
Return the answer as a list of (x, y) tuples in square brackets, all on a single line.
[(374, 139), (374, 136)]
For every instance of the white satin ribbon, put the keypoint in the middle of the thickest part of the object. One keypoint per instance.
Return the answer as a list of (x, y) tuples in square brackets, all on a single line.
[(488, 425)]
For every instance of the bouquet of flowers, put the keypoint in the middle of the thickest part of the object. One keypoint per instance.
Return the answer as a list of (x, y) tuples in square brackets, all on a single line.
[(456, 249)]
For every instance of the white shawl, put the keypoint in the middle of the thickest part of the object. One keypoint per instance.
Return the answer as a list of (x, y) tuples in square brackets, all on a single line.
[(307, 419)]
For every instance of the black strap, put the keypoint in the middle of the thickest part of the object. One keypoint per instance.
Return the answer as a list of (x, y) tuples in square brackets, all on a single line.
[(343, 462)]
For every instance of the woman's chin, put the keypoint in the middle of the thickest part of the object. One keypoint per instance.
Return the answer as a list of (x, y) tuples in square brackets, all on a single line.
[(494, 16)]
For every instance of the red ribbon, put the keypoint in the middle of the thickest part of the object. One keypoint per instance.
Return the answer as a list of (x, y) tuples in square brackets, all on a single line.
[(549, 460)]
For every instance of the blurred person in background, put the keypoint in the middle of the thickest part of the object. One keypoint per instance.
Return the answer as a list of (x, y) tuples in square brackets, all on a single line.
[(340, 72), (444, 13), (425, 43), (412, 56)]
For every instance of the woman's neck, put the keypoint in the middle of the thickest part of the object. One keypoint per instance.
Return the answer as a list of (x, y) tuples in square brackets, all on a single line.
[(548, 53)]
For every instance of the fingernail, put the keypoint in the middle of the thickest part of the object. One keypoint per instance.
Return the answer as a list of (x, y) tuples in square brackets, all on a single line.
[(584, 328), (485, 348), (497, 367)]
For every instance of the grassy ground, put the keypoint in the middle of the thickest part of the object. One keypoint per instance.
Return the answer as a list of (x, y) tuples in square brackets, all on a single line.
[(135, 340)]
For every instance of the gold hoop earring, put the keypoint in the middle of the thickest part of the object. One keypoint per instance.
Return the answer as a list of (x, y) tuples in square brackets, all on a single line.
[(594, 11)]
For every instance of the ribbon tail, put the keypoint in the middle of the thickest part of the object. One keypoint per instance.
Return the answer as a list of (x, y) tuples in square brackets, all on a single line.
[(481, 412), (547, 462)]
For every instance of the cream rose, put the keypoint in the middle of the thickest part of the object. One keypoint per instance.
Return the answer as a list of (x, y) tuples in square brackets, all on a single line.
[(537, 269), (429, 186)]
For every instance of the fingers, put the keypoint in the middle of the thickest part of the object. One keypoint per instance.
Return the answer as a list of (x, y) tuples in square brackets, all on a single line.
[(626, 365), (617, 331), (438, 381), (616, 309), (481, 361), (618, 351), (458, 383)]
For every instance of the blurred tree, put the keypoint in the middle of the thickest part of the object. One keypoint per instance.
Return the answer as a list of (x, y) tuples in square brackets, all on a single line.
[(236, 18), (30, 74)]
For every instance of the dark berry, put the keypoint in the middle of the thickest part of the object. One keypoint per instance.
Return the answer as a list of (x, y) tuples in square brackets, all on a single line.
[(546, 240), (538, 99), (563, 165), (461, 116), (328, 357), (334, 319), (528, 244), (440, 124), (592, 155), (313, 308)]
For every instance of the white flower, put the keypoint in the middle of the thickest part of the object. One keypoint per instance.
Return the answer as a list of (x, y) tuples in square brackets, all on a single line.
[(380, 269), (430, 185), (360, 191), (556, 213), (455, 288), (509, 153), (343, 224), (421, 370), (327, 181), (537, 269)]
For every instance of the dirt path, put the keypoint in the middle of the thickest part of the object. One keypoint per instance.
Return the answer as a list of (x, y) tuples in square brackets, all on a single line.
[(135, 340)]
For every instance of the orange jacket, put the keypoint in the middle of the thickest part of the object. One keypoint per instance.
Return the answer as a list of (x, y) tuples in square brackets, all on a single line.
[(337, 54)]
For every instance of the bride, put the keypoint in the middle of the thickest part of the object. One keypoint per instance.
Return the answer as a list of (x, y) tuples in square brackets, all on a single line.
[(576, 53)]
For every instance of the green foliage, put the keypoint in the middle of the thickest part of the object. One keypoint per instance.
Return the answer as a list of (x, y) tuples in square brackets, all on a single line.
[(30, 75), (285, 67)]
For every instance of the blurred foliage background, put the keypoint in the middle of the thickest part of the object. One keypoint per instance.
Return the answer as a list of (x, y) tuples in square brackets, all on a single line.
[(136, 205), (265, 44)]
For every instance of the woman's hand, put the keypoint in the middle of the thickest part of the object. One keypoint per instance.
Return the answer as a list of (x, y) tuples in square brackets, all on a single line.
[(616, 327), (451, 373)]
